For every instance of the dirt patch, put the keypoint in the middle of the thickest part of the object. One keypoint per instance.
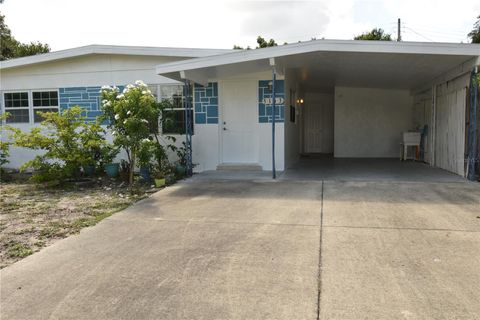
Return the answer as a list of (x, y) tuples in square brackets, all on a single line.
[(34, 216)]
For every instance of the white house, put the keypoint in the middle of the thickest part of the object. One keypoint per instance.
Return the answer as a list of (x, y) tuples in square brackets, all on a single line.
[(350, 99)]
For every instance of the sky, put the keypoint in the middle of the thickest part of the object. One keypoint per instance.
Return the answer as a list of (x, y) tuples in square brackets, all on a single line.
[(66, 24)]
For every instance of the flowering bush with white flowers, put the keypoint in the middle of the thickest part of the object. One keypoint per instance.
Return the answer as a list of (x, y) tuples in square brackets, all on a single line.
[(133, 116)]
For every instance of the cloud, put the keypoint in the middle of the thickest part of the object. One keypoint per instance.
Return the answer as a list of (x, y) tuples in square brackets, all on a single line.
[(223, 23), (284, 21)]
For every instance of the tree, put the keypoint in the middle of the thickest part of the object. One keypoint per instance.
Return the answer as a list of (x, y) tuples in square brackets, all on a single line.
[(133, 118), (475, 33), (375, 34), (262, 43), (11, 48)]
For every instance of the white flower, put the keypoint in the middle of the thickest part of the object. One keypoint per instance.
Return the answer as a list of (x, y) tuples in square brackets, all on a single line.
[(124, 121), (129, 112), (107, 104), (146, 140), (140, 83), (117, 116), (120, 96), (144, 121), (144, 92), (114, 132), (106, 88)]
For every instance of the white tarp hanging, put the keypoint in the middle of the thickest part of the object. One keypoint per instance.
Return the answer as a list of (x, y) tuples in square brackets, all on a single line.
[(450, 126)]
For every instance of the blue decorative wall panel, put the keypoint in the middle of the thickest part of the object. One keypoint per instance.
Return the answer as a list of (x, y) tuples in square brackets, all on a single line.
[(265, 101), (206, 103), (86, 97)]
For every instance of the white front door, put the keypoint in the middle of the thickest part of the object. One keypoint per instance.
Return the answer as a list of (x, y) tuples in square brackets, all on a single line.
[(238, 101)]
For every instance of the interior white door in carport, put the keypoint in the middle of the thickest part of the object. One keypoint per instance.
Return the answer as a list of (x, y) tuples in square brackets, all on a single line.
[(238, 100), (318, 130)]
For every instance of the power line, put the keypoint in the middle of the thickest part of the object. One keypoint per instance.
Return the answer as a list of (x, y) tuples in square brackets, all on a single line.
[(419, 34), (432, 29)]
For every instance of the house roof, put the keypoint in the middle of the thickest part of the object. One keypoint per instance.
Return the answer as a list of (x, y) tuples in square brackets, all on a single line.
[(109, 49), (335, 62)]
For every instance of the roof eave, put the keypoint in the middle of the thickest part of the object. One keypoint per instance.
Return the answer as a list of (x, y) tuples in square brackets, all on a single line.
[(321, 45), (108, 49)]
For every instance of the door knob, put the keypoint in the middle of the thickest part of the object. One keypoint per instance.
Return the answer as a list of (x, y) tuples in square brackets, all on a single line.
[(224, 128), (224, 122)]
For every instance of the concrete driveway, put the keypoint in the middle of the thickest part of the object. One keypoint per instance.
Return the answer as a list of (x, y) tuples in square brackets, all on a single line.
[(256, 249)]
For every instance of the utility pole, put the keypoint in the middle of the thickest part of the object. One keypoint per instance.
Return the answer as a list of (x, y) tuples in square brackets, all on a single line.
[(399, 32)]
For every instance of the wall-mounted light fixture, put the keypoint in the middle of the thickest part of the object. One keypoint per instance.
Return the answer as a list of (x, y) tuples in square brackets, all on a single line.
[(270, 85), (299, 101)]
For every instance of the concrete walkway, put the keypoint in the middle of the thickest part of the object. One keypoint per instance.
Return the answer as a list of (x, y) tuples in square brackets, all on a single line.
[(257, 249)]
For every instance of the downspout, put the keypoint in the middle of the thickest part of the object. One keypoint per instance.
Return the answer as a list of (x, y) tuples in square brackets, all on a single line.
[(434, 125), (274, 78), (472, 128)]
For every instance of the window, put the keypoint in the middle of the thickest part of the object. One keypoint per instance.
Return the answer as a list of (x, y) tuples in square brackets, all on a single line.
[(22, 105), (16, 103), (173, 120), (41, 100)]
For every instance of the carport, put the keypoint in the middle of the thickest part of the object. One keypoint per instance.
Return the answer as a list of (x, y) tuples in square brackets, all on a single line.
[(346, 100)]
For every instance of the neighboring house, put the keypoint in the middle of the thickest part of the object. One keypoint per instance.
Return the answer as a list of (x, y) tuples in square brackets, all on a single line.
[(351, 99)]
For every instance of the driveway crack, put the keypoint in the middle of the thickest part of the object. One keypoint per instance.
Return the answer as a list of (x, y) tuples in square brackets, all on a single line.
[(319, 279)]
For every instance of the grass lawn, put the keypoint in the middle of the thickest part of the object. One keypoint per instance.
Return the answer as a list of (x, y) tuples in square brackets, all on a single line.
[(34, 216)]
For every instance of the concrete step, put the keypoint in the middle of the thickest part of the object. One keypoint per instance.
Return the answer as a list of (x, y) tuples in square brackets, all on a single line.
[(239, 167)]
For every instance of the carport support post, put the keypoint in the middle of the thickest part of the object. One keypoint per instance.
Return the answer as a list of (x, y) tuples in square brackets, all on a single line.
[(472, 128), (188, 126), (274, 78)]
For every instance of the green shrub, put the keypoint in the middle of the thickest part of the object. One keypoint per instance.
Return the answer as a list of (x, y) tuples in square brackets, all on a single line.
[(68, 142), (4, 145)]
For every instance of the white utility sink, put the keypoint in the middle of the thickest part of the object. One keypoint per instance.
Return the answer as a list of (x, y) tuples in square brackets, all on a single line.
[(410, 139)]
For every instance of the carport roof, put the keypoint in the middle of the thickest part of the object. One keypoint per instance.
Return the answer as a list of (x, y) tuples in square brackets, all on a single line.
[(327, 63)]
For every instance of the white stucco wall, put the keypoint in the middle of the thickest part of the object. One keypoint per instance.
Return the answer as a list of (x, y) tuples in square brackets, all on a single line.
[(369, 122), (205, 142), (95, 70)]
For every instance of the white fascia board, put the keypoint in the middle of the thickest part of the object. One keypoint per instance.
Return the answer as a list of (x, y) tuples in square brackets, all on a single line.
[(325, 46), (107, 49)]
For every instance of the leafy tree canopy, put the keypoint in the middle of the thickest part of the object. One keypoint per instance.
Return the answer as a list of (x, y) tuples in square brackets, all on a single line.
[(11, 48), (475, 33), (262, 43), (375, 34)]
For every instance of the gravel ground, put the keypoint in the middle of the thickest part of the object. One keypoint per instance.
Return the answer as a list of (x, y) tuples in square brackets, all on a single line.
[(34, 216)]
